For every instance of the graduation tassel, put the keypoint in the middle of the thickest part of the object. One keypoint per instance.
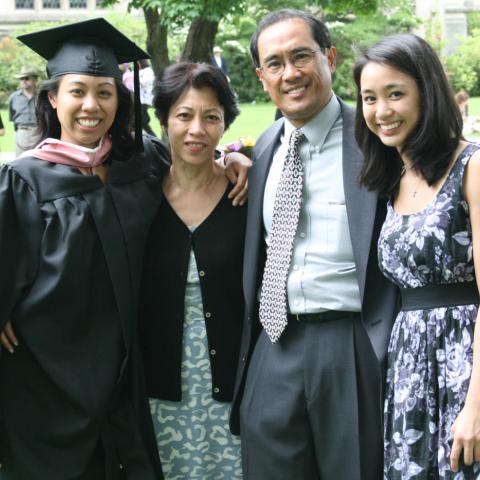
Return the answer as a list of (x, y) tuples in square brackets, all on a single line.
[(138, 108)]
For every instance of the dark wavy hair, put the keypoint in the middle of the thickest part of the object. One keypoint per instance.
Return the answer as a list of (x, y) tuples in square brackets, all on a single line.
[(179, 77), (432, 143), (320, 32), (48, 125)]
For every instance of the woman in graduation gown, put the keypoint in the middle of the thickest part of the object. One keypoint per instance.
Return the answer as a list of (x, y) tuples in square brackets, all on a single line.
[(74, 214)]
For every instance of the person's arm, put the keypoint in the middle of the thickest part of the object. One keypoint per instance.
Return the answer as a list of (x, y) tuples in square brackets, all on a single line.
[(235, 166), (21, 225), (10, 109), (466, 428), (8, 338)]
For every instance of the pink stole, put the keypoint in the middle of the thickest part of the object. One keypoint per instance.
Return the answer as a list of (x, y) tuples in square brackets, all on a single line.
[(56, 151)]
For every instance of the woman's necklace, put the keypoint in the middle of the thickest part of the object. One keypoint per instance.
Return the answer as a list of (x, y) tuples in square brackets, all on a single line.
[(417, 183)]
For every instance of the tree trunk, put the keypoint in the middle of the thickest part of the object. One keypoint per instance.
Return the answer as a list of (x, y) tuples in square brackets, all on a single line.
[(199, 43), (157, 46)]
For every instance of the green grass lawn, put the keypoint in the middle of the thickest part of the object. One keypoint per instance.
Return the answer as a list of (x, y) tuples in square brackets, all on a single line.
[(7, 142), (251, 122)]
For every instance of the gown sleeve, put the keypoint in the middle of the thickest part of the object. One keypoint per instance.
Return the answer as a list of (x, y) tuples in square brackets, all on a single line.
[(20, 231), (157, 153)]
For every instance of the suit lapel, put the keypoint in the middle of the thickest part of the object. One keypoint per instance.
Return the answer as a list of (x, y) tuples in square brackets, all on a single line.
[(361, 204), (263, 154)]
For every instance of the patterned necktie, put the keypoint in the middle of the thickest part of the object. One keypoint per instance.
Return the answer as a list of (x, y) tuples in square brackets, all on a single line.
[(286, 211)]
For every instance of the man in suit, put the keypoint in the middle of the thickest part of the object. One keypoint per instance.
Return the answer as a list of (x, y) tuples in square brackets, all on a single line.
[(219, 61), (308, 396)]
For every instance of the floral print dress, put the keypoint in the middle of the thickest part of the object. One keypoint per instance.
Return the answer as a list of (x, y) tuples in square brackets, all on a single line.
[(430, 351)]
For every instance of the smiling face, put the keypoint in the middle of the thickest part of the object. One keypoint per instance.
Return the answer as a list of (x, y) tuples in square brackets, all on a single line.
[(300, 93), (390, 103), (195, 126), (86, 107)]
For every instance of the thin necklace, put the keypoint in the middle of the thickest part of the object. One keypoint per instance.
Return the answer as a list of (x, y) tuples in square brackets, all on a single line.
[(415, 191)]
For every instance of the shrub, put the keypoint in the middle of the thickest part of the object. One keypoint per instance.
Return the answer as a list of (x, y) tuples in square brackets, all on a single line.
[(463, 66)]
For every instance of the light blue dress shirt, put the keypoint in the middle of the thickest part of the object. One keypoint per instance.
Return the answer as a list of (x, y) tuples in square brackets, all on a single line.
[(322, 272)]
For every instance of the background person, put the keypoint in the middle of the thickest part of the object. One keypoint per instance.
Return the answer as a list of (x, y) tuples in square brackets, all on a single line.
[(410, 131), (2, 129), (461, 98), (21, 110), (307, 399), (219, 61), (147, 79), (74, 215), (471, 124), (192, 301), (127, 76)]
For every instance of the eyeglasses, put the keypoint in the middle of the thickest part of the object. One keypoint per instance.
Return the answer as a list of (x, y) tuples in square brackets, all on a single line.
[(25, 78), (299, 59)]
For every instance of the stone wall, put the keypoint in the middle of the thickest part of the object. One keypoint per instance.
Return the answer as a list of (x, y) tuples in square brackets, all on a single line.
[(15, 13)]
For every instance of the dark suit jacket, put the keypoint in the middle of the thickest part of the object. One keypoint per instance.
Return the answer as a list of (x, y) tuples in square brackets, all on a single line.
[(223, 67), (365, 216)]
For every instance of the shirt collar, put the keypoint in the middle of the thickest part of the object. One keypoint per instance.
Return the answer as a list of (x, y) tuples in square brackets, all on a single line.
[(317, 129), (287, 131)]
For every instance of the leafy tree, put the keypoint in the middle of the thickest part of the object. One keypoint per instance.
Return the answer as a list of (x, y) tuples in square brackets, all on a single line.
[(352, 31), (202, 21), (463, 66), (13, 54), (353, 34)]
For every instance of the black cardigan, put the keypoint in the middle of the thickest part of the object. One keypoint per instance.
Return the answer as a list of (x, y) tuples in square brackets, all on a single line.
[(218, 247)]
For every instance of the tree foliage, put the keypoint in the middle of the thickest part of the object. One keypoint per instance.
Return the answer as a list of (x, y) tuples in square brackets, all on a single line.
[(352, 35), (13, 54), (351, 30), (202, 21), (187, 29), (463, 66)]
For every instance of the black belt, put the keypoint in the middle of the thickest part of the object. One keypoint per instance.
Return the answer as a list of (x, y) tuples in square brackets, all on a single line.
[(321, 316), (437, 296), (26, 127)]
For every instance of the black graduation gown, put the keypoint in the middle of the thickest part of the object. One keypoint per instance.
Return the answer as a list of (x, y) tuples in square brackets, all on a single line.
[(71, 252)]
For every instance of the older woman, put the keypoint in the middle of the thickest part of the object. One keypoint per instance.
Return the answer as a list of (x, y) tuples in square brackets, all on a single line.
[(192, 303)]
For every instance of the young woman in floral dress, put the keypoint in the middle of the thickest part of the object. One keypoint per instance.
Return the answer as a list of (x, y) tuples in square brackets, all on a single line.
[(410, 131)]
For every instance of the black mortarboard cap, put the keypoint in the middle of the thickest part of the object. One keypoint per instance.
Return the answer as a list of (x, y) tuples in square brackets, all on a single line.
[(93, 47)]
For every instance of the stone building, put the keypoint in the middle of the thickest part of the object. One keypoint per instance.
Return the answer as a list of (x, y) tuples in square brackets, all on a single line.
[(448, 17), (15, 13)]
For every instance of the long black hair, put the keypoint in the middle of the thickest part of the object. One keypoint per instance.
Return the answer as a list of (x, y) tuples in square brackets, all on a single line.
[(48, 125), (433, 141)]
